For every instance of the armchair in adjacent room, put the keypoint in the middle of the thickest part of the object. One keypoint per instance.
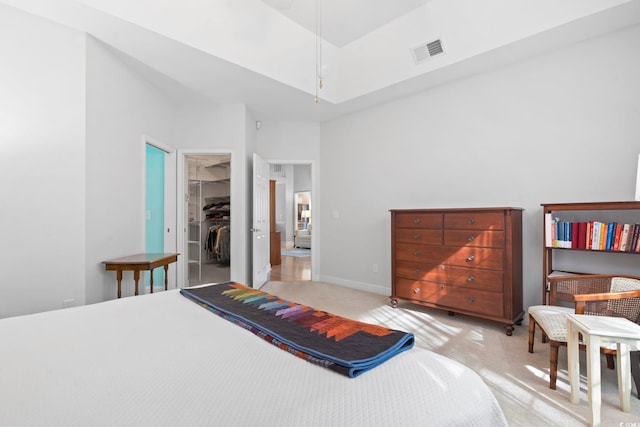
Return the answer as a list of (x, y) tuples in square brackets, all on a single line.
[(303, 238)]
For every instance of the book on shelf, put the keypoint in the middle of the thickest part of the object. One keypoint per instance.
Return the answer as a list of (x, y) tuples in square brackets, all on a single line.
[(582, 235), (548, 230), (635, 238), (574, 235), (595, 245), (624, 238), (591, 235), (564, 234), (629, 245), (610, 229), (616, 237)]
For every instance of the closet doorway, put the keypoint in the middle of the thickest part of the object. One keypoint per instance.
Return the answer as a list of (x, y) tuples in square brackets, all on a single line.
[(207, 218)]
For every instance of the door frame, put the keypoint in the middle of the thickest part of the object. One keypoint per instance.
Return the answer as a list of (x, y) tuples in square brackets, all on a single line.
[(182, 194), (315, 241), (170, 199)]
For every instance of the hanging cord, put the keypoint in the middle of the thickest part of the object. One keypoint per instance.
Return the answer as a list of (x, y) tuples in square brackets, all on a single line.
[(318, 48)]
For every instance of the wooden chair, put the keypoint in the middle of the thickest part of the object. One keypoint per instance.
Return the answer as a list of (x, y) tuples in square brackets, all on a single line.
[(599, 295)]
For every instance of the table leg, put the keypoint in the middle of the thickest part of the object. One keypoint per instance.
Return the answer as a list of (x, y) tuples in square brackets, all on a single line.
[(573, 363), (119, 278), (624, 376), (166, 276), (151, 280), (136, 277), (593, 377)]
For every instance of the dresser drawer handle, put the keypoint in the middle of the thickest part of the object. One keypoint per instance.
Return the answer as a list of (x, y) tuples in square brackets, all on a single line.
[(416, 221), (470, 221), (416, 236), (417, 271), (415, 291), (470, 279), (471, 238), (471, 300), (470, 258), (416, 253)]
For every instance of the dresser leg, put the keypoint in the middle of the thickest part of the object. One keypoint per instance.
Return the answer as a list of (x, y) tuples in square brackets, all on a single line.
[(508, 329), (394, 302)]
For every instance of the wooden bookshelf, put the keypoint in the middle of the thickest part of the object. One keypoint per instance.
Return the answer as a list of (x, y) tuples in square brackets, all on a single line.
[(548, 267)]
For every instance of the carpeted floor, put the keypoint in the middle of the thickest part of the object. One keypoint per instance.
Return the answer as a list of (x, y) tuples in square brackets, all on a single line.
[(296, 252), (518, 379)]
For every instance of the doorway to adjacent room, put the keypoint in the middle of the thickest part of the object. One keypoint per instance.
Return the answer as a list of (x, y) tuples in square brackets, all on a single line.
[(293, 219)]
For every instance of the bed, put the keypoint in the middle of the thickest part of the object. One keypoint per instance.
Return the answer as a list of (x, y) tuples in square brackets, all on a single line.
[(160, 359)]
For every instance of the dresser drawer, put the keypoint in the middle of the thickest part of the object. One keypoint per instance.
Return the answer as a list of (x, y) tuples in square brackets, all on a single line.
[(420, 271), (446, 296), (418, 290), (419, 253), (418, 220), (478, 278), (474, 220), (488, 280), (415, 235), (472, 300), (482, 238), (474, 257)]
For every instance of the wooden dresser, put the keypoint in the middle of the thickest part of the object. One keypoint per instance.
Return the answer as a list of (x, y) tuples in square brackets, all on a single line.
[(461, 260)]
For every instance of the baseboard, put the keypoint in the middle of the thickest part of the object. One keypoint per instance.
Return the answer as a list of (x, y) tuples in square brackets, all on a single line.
[(361, 286)]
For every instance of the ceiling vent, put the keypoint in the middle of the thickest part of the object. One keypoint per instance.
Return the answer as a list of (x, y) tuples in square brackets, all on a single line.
[(427, 51)]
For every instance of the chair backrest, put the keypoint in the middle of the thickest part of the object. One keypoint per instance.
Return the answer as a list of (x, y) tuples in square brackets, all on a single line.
[(562, 289), (621, 284), (625, 307), (599, 294)]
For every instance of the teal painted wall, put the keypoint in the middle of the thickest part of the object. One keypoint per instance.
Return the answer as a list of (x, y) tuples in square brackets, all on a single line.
[(154, 224)]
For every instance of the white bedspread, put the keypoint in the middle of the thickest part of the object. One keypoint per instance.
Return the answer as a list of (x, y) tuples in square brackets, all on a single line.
[(160, 359)]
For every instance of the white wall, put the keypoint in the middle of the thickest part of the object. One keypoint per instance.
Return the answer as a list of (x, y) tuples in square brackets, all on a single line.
[(289, 141), (72, 162), (302, 178), (293, 143), (563, 127), (121, 108), (223, 128), (42, 165), (74, 116)]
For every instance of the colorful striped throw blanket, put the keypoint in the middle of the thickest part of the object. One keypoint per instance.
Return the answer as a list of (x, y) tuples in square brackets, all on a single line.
[(343, 345)]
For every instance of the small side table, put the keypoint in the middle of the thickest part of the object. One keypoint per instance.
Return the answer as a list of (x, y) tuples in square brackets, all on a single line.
[(140, 262), (596, 332)]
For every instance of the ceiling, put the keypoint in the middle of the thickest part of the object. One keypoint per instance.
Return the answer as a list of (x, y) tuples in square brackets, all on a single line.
[(343, 21), (262, 53)]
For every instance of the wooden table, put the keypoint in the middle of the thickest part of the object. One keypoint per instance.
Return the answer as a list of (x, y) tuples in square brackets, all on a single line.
[(596, 332), (140, 262)]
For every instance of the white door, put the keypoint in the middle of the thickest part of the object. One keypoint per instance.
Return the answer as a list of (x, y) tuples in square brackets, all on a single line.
[(170, 237), (260, 224)]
